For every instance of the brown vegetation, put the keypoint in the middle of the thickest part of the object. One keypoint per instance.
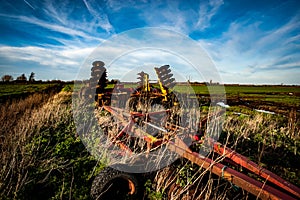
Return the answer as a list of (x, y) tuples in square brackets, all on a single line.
[(21, 121)]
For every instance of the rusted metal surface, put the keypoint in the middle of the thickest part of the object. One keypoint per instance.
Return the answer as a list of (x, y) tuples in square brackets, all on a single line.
[(255, 168), (251, 185)]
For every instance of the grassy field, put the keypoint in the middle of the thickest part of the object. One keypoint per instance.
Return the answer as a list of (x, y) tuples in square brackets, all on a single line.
[(16, 89), (287, 95), (42, 157), (280, 94)]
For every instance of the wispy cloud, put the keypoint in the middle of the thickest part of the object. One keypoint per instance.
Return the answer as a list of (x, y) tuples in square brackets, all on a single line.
[(206, 11), (174, 15), (59, 18), (58, 14), (165, 15), (97, 12), (57, 28), (29, 4), (89, 21)]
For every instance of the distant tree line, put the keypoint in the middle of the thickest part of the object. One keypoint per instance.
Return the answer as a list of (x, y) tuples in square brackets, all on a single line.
[(22, 78)]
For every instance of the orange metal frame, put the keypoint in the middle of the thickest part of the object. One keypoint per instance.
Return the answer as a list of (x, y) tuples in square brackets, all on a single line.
[(281, 189)]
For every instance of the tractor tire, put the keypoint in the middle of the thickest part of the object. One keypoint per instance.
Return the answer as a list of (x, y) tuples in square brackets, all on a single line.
[(115, 185)]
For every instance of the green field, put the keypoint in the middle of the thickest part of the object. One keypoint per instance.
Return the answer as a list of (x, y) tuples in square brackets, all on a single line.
[(239, 89), (288, 95), (15, 89), (230, 89)]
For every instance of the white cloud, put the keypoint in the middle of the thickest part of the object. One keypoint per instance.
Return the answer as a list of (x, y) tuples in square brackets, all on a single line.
[(172, 15), (67, 30), (117, 5), (57, 28), (97, 12), (57, 13), (29, 4), (206, 11), (168, 15), (61, 63)]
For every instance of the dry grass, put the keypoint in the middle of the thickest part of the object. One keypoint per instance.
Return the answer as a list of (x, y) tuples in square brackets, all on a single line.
[(20, 122)]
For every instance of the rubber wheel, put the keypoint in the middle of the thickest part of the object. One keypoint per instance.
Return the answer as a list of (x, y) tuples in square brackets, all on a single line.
[(115, 185)]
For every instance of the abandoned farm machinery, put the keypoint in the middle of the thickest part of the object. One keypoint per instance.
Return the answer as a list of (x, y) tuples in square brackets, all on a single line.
[(151, 116)]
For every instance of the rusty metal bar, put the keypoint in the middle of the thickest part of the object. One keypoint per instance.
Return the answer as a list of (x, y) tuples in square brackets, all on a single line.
[(255, 168), (126, 128), (113, 112), (146, 136), (251, 185)]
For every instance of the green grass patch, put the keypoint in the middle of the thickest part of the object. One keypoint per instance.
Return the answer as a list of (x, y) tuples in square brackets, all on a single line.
[(68, 88), (15, 89), (261, 89)]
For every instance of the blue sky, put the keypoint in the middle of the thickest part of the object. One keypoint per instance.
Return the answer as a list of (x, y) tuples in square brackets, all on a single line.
[(248, 41)]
